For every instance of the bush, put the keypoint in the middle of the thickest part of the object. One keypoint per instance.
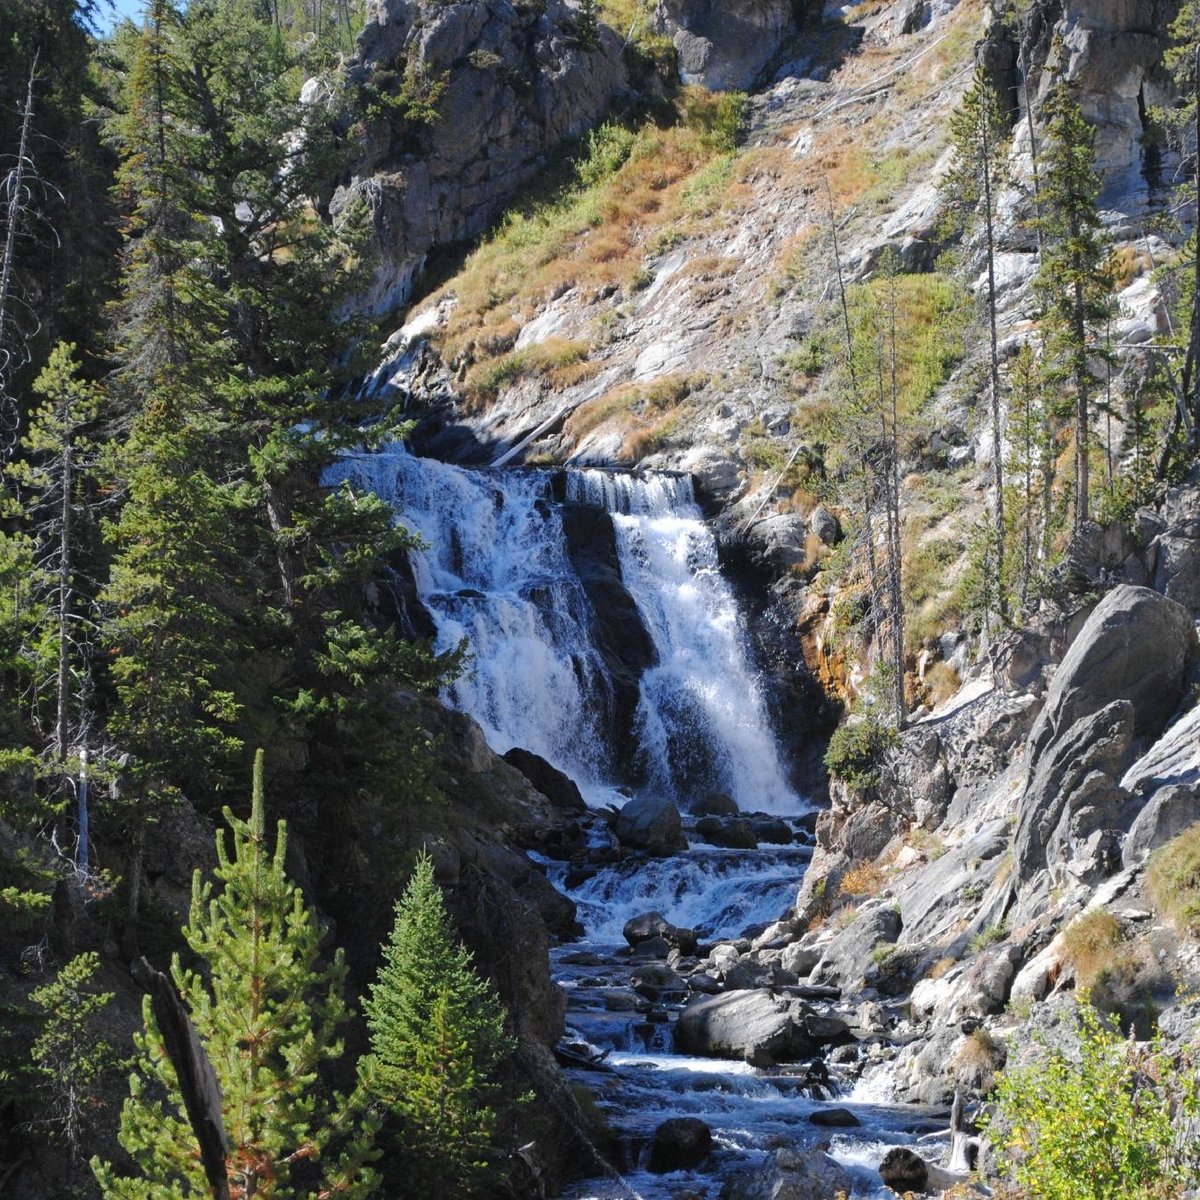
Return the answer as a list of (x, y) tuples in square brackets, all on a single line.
[(1096, 1122), (856, 750)]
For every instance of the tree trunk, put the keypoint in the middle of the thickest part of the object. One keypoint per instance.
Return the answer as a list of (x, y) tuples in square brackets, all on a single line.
[(1082, 384), (997, 433)]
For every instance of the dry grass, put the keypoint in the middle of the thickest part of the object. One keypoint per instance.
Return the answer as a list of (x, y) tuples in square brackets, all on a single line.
[(865, 879), (559, 359), (1089, 944), (647, 411), (1126, 264), (940, 968), (978, 1060), (1173, 879), (940, 683)]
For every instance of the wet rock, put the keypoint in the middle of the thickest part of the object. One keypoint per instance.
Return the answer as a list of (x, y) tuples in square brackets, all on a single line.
[(558, 787), (751, 1025), (849, 956), (791, 1175), (1136, 646), (651, 823), (715, 804), (655, 925), (654, 947), (904, 1170), (679, 1144), (833, 1118), (704, 983), (733, 833), (772, 831)]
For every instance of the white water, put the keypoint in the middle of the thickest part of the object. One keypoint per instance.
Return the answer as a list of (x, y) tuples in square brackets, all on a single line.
[(701, 711), (496, 570)]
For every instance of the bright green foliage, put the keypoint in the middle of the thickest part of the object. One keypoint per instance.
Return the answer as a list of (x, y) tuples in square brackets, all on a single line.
[(75, 1061), (1073, 280), (268, 1013), (437, 1038), (856, 750), (1099, 1123)]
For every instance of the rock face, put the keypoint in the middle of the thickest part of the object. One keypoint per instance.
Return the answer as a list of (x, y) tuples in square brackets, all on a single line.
[(1136, 646), (725, 44), (1177, 572), (651, 823), (517, 81), (560, 789), (848, 957)]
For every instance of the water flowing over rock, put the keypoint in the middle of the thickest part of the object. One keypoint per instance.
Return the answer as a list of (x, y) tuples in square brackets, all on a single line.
[(651, 823), (682, 716)]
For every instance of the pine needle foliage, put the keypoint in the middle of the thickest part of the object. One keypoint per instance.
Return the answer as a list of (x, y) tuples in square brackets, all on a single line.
[(437, 1039), (269, 1013)]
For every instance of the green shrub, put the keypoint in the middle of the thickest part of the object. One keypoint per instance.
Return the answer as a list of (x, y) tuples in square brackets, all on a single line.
[(856, 750), (1096, 1122)]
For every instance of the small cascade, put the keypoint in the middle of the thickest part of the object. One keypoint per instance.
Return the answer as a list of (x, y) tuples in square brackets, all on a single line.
[(498, 570), (712, 890)]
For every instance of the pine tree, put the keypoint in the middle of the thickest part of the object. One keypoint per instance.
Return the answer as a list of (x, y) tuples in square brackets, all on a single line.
[(437, 1038), (268, 1014), (74, 1061), (971, 186), (1072, 279)]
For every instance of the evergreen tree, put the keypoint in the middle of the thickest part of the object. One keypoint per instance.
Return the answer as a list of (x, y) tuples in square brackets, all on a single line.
[(971, 185), (74, 1061), (437, 1038), (1073, 279), (268, 1014)]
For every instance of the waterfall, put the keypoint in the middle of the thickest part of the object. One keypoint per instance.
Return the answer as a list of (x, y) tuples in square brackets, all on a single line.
[(497, 568)]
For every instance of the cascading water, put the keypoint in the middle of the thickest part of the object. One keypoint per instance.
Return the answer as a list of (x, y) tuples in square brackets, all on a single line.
[(497, 569)]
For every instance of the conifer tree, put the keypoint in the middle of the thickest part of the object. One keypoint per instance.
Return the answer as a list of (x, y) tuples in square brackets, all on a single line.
[(971, 186), (1072, 279), (268, 1012), (437, 1038)]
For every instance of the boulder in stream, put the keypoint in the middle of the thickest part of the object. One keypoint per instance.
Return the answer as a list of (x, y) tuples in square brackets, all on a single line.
[(654, 925), (791, 1175), (755, 1025), (678, 1144), (651, 823)]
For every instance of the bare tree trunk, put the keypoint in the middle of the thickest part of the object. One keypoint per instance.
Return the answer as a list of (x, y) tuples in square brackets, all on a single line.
[(896, 591), (62, 722), (1082, 387), (15, 186), (997, 432)]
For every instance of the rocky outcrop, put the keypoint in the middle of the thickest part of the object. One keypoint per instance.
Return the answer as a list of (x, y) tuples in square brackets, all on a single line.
[(1136, 647), (559, 788), (507, 82), (756, 1025), (848, 957), (1177, 565), (725, 44)]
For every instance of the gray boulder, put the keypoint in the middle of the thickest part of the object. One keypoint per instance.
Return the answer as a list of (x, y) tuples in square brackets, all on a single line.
[(651, 823), (1072, 792), (1136, 646), (725, 46), (1166, 815), (1177, 571), (851, 953), (825, 525), (758, 1026), (1173, 760), (791, 1175), (651, 925), (715, 804)]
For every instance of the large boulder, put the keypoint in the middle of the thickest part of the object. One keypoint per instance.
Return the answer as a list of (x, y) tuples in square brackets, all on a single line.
[(1166, 815), (758, 1026), (651, 823), (1173, 760), (1135, 646), (725, 44), (851, 953), (654, 925), (678, 1144), (1177, 572), (559, 788), (791, 1175), (1072, 792)]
